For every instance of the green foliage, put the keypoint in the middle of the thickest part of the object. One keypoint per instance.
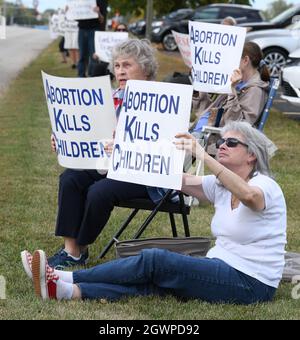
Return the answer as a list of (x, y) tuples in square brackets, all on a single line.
[(275, 8), (21, 15), (138, 7)]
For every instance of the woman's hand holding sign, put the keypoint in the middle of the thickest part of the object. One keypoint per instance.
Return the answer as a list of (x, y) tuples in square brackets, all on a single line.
[(53, 144), (98, 11), (236, 77), (188, 142), (109, 146)]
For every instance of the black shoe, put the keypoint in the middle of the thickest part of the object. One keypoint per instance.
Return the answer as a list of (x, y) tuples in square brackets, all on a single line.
[(62, 260)]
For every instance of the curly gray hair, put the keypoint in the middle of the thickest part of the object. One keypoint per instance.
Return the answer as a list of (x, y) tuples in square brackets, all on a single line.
[(141, 51)]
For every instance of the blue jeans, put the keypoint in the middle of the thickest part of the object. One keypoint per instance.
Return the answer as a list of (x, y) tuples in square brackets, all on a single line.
[(86, 45), (161, 272)]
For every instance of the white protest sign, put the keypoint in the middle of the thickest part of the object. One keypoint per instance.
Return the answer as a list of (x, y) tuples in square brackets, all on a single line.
[(216, 52), (152, 114), (2, 27), (81, 9), (183, 43), (57, 25), (70, 26), (105, 42), (54, 26), (82, 118)]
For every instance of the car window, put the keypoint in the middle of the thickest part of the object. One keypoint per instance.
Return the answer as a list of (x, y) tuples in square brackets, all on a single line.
[(208, 13), (254, 16), (294, 26), (233, 12), (178, 15), (285, 15)]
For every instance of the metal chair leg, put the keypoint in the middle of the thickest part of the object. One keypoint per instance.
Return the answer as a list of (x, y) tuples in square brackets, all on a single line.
[(173, 225), (152, 215), (118, 233), (184, 216)]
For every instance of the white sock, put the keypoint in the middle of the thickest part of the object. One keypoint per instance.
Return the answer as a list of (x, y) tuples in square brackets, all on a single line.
[(64, 275), (64, 290), (73, 257)]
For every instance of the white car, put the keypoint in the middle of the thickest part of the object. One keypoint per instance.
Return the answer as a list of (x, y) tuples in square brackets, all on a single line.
[(290, 79), (276, 45)]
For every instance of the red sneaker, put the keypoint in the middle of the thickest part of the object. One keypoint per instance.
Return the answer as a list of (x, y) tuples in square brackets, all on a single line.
[(44, 278), (27, 262)]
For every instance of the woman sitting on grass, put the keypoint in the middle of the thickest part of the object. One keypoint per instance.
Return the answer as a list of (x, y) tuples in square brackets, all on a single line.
[(245, 266)]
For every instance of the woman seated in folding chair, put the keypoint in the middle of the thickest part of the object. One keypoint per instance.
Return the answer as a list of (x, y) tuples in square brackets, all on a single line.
[(246, 264), (250, 85), (86, 198)]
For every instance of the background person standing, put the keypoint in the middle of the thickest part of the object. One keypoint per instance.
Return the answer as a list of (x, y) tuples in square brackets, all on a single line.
[(86, 37)]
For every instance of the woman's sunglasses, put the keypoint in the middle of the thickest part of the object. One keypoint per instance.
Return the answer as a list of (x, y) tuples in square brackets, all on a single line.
[(230, 142), (121, 30)]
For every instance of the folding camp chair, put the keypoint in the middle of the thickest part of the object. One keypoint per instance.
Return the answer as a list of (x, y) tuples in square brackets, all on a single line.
[(274, 85), (180, 207), (209, 131)]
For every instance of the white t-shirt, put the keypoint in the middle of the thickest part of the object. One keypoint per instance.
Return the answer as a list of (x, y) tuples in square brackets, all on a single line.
[(249, 241)]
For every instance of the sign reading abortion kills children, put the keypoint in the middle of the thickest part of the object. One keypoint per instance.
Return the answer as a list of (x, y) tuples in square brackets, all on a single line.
[(81, 9), (152, 114), (105, 42), (183, 43), (82, 118), (216, 52)]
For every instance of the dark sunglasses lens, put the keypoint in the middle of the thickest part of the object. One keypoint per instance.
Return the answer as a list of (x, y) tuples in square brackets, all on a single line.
[(219, 142), (230, 142)]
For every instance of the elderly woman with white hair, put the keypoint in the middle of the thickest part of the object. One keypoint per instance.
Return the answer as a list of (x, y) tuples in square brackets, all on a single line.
[(86, 198), (245, 265)]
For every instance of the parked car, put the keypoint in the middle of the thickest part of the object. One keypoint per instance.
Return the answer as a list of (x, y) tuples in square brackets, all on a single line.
[(139, 28), (276, 45), (214, 13), (162, 29), (290, 79), (284, 19)]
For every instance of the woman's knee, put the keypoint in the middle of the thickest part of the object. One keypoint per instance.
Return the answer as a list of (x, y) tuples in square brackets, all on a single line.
[(68, 177), (101, 192), (154, 254), (76, 179)]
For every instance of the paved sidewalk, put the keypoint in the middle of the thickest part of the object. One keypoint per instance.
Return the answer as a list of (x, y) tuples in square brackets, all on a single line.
[(289, 110), (21, 46)]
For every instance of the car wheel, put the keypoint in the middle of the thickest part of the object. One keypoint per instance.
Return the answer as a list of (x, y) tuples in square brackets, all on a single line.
[(275, 59), (169, 42)]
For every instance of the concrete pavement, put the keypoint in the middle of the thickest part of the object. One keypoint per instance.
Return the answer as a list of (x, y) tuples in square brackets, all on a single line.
[(21, 46), (288, 110)]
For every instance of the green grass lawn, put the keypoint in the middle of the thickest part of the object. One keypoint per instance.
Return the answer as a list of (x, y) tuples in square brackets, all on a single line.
[(28, 201)]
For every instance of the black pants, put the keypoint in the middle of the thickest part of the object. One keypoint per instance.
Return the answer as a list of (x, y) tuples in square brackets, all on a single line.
[(86, 200)]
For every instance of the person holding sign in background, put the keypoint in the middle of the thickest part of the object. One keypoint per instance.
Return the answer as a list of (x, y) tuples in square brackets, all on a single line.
[(121, 28), (86, 198), (249, 92), (86, 37), (244, 267), (104, 42), (71, 41)]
